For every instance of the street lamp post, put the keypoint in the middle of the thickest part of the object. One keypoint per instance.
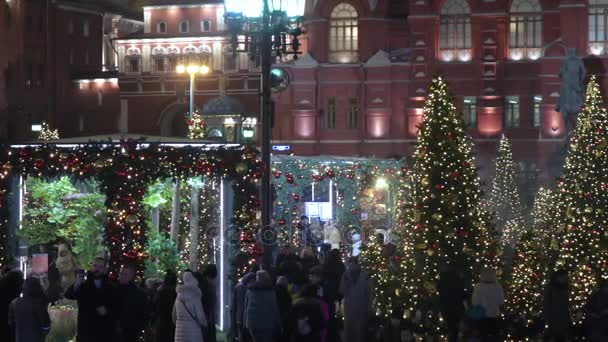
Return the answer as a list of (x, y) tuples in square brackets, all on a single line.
[(266, 37), (192, 70)]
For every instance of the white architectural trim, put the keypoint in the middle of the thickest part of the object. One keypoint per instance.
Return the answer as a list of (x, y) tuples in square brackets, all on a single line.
[(379, 59), (306, 61)]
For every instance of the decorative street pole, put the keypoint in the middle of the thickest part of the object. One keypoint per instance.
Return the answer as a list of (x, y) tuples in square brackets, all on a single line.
[(266, 38), (192, 70)]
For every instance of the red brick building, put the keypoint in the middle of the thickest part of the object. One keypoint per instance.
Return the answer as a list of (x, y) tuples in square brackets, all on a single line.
[(360, 89), (45, 46)]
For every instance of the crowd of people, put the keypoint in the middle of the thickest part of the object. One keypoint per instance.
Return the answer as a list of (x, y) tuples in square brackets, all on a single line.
[(310, 297)]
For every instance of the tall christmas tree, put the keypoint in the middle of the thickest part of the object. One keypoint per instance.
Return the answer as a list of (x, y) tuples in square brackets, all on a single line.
[(504, 200), (582, 199), (524, 295), (444, 221)]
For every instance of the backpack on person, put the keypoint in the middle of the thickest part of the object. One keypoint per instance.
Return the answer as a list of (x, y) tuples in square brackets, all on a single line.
[(304, 327)]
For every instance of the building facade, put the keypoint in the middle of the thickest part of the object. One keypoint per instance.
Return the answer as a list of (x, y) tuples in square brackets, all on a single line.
[(46, 45), (360, 87), (154, 97)]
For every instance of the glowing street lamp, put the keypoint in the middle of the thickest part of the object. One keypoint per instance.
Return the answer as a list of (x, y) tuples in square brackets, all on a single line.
[(192, 70)]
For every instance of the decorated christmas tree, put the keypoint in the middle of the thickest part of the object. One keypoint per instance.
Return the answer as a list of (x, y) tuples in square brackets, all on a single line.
[(582, 200), (542, 215), (504, 200), (197, 127), (444, 221), (524, 295), (376, 264)]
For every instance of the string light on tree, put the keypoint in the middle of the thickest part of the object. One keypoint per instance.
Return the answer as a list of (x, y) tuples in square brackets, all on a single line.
[(444, 221), (504, 200), (376, 263), (582, 202), (197, 127), (542, 214), (46, 133)]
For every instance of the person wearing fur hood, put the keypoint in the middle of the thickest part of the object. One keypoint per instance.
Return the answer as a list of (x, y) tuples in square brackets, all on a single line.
[(188, 313)]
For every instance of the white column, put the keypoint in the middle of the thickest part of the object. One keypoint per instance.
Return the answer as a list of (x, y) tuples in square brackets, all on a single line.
[(147, 21), (121, 58), (221, 26), (217, 56), (146, 52)]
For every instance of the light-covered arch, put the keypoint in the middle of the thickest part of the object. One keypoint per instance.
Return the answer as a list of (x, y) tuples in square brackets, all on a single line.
[(204, 49), (189, 49), (173, 50), (133, 51), (526, 6), (344, 10)]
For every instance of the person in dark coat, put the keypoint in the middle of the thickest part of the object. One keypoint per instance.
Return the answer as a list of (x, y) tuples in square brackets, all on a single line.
[(284, 301), (597, 315), (164, 328), (209, 297), (29, 314), (452, 294), (134, 306), (238, 307), (556, 310), (261, 309), (289, 264), (307, 316), (333, 269), (98, 304), (11, 285)]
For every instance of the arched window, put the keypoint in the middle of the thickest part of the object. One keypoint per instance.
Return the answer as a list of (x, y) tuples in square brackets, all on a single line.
[(598, 27), (205, 55), (184, 26), (162, 27), (159, 55), (133, 60), (173, 59), (455, 31), (215, 133), (205, 26), (525, 38), (344, 34)]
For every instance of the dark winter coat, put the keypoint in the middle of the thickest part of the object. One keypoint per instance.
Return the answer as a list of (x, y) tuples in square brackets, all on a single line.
[(209, 298), (134, 311), (164, 328), (451, 295), (332, 275), (284, 302), (290, 267), (556, 312), (307, 312), (597, 316), (30, 318), (10, 288), (261, 308), (92, 327)]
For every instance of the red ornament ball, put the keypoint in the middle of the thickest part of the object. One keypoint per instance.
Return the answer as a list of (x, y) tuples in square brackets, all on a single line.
[(439, 186), (296, 197)]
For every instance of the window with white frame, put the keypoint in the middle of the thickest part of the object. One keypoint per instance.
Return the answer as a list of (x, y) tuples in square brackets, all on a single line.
[(230, 60), (598, 27), (205, 26), (469, 111), (344, 34), (159, 55), (173, 58), (455, 31), (133, 60), (537, 113), (205, 55), (511, 112), (161, 27), (184, 26), (525, 30)]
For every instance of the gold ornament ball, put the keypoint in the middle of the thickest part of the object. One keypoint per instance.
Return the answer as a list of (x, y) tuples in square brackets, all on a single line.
[(421, 246), (437, 217), (425, 181), (241, 168), (430, 252), (131, 219)]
